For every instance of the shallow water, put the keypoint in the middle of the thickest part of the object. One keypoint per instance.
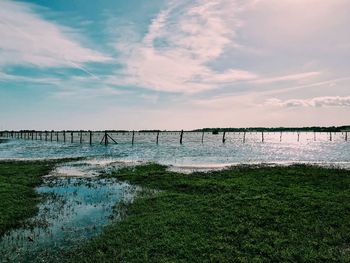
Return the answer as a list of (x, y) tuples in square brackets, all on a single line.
[(74, 210), (309, 148)]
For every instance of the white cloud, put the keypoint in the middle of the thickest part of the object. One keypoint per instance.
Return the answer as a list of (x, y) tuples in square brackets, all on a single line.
[(330, 101), (28, 39), (290, 77), (180, 43)]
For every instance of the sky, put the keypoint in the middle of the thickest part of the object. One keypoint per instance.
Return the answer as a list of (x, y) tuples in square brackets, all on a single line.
[(182, 64)]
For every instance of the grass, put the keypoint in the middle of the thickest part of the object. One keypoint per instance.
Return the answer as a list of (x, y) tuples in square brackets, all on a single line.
[(244, 214), (18, 198)]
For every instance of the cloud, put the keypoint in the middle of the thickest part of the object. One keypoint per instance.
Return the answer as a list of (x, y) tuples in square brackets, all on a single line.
[(299, 76), (28, 39), (334, 101), (181, 42)]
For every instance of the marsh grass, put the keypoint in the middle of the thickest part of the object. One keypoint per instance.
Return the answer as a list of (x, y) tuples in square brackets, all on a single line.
[(18, 198), (244, 214)]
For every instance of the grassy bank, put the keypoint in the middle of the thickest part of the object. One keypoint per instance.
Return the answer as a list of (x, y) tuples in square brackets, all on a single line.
[(276, 214), (18, 198)]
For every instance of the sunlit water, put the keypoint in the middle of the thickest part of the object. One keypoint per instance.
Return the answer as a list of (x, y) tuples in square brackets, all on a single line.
[(77, 208), (74, 209), (307, 147)]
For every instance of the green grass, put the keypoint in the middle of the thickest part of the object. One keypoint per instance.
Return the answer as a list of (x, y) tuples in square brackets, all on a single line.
[(18, 198), (245, 214)]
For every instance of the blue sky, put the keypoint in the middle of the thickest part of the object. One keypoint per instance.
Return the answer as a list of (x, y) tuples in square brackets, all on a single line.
[(182, 64)]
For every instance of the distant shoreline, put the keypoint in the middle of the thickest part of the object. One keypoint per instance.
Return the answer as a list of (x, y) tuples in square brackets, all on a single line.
[(218, 129)]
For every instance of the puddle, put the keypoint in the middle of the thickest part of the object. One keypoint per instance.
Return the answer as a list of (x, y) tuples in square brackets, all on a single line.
[(89, 167), (73, 210)]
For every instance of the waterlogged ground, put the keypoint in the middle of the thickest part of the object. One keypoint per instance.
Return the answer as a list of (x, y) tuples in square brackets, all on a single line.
[(291, 147), (73, 210)]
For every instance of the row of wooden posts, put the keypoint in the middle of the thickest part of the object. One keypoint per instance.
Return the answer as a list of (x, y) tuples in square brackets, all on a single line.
[(106, 139)]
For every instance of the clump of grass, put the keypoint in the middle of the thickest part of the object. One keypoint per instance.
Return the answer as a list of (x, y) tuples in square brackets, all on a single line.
[(244, 214), (18, 198)]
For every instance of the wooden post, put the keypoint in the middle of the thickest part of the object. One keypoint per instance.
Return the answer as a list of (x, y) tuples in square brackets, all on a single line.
[(281, 137), (57, 136), (202, 137), (346, 136), (21, 135), (71, 137), (81, 137), (90, 137), (181, 136), (244, 137), (314, 136), (133, 138), (298, 136), (223, 137), (106, 138), (51, 136), (46, 135), (41, 135), (330, 136), (157, 137), (64, 136), (262, 136), (36, 135)]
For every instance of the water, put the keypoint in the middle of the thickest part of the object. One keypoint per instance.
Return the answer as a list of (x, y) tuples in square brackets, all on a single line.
[(75, 209), (309, 148), (79, 204)]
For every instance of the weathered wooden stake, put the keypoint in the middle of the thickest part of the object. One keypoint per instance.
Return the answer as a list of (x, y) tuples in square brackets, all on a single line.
[(330, 136), (41, 135), (281, 137), (157, 137), (181, 136), (223, 137), (314, 136), (46, 135), (346, 136), (106, 138), (262, 137), (51, 136), (202, 137), (36, 135), (298, 136), (56, 136), (64, 136), (133, 138), (81, 137), (90, 137), (71, 137), (244, 137)]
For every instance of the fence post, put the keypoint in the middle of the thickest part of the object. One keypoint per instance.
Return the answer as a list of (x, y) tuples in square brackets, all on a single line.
[(157, 137), (244, 137), (81, 137), (64, 136), (106, 138), (346, 136), (262, 136), (71, 137), (133, 138), (90, 137), (202, 137), (181, 136), (223, 137)]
